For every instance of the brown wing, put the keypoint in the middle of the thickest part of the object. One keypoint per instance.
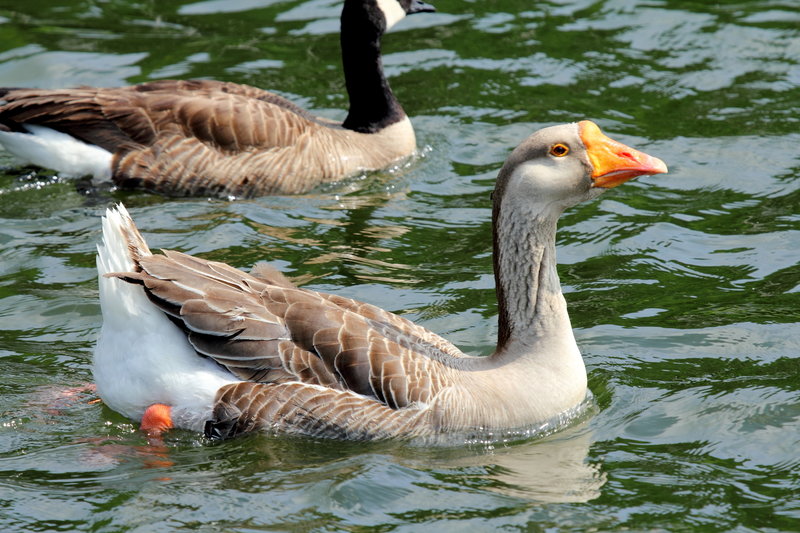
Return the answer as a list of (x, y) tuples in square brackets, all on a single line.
[(77, 112), (228, 116), (303, 409), (195, 137), (264, 329)]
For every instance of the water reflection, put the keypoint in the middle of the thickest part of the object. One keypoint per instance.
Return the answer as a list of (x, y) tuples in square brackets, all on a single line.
[(555, 469)]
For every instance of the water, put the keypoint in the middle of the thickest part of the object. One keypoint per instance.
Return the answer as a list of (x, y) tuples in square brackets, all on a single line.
[(683, 288)]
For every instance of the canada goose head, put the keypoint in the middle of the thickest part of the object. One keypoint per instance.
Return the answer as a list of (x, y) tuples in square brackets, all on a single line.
[(560, 166), (381, 14)]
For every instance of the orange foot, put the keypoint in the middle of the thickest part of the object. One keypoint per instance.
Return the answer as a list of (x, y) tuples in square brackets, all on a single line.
[(157, 419)]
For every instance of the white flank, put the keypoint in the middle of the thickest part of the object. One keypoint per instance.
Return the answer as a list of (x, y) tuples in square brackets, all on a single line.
[(48, 148), (141, 357), (393, 12)]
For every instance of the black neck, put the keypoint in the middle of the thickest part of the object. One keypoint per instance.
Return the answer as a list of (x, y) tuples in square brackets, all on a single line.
[(372, 104)]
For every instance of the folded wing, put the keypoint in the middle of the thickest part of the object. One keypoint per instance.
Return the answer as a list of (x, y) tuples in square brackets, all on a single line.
[(264, 329), (195, 137)]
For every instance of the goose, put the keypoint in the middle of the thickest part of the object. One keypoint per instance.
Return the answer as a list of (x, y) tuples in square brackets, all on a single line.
[(214, 138), (199, 345)]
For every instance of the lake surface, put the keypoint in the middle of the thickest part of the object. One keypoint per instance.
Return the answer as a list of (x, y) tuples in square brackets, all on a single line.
[(684, 289)]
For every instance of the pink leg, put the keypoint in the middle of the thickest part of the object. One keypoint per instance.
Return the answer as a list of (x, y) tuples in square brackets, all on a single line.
[(55, 399)]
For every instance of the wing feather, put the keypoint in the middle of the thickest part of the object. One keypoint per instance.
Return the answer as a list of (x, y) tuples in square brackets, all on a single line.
[(300, 408), (266, 329), (188, 137)]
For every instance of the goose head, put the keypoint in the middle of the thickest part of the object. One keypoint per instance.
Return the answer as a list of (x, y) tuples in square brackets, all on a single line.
[(561, 166), (382, 14), (553, 169)]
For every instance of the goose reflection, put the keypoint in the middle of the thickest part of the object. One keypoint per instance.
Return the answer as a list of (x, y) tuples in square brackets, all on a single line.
[(555, 469)]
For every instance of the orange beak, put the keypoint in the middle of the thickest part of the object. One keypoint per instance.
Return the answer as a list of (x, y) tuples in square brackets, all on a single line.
[(613, 163)]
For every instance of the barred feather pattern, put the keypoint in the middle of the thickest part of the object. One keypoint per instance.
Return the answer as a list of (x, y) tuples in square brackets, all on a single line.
[(310, 362), (299, 408), (204, 137)]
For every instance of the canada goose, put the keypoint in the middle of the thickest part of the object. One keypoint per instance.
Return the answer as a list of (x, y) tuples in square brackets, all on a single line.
[(212, 138), (197, 344)]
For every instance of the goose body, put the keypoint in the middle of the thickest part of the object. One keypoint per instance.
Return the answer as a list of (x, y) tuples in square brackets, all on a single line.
[(210, 348), (212, 138)]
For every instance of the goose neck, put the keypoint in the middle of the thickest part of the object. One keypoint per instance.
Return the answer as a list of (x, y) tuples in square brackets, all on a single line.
[(532, 310), (373, 106)]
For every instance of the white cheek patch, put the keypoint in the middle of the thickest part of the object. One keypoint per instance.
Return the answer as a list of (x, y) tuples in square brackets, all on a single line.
[(392, 11)]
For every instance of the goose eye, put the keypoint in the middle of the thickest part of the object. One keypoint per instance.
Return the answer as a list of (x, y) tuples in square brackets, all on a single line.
[(559, 150)]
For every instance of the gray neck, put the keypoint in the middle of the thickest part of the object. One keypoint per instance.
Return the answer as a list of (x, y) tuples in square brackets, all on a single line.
[(532, 310)]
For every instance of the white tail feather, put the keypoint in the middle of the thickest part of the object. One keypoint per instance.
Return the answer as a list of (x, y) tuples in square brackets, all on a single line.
[(114, 254), (141, 357), (48, 148)]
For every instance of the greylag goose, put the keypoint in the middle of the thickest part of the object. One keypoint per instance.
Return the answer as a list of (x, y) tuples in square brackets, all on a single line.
[(197, 344), (212, 138)]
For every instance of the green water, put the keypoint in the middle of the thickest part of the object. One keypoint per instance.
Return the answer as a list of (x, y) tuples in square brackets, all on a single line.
[(683, 288)]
